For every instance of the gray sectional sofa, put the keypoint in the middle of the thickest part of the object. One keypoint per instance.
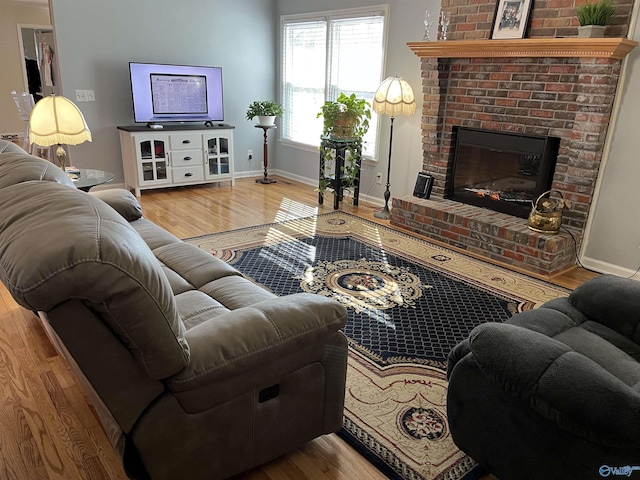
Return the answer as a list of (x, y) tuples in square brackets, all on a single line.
[(195, 372)]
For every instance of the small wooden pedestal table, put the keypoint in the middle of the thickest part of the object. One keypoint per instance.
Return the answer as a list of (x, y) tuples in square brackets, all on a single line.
[(265, 155)]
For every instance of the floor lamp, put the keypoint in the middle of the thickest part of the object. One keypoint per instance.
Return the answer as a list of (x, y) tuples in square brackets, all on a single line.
[(393, 97), (56, 120)]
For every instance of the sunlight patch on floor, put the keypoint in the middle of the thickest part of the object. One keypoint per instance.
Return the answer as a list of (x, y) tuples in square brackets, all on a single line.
[(290, 209)]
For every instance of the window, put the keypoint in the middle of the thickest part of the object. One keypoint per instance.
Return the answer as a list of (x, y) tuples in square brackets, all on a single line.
[(323, 55)]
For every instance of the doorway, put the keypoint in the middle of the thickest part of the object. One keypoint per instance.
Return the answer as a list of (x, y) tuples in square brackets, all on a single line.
[(40, 66)]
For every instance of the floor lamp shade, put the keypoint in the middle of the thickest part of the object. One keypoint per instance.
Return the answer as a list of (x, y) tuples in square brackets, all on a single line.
[(56, 120), (393, 97)]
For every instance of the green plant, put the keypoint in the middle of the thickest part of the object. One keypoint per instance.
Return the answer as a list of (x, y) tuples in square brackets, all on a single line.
[(345, 119), (264, 108), (595, 13)]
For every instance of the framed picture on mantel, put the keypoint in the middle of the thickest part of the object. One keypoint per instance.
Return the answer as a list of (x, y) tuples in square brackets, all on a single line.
[(511, 19)]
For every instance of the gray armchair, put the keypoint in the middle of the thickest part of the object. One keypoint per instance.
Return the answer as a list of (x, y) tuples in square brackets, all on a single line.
[(553, 393)]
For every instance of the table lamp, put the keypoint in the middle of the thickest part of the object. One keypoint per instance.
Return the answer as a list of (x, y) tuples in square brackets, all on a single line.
[(56, 120), (393, 97)]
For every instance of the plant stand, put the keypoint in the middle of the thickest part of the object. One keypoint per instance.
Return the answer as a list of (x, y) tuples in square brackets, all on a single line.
[(265, 155), (336, 181)]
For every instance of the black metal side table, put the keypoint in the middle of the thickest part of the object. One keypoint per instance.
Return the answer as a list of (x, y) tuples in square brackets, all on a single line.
[(336, 181), (265, 155)]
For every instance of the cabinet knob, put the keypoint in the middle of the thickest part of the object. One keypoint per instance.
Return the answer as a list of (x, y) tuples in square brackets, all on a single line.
[(187, 158), (188, 174), (186, 141)]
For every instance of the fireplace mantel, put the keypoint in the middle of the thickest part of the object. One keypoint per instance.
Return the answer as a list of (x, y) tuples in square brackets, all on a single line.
[(568, 47)]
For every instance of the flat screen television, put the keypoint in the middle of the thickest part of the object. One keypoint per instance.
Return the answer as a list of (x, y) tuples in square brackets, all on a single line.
[(176, 93)]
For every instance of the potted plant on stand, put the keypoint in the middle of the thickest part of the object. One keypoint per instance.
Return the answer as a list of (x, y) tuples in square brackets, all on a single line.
[(344, 120), (593, 18), (265, 110)]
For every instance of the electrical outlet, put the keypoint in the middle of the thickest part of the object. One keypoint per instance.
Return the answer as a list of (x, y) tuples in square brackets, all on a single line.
[(81, 95), (379, 178), (91, 96), (250, 155)]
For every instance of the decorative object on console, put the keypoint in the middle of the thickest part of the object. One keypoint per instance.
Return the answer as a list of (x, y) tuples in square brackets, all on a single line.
[(393, 97), (546, 214), (265, 110), (511, 19), (56, 120), (593, 18)]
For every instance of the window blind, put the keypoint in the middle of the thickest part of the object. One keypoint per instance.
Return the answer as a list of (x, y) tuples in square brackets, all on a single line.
[(304, 65), (323, 57)]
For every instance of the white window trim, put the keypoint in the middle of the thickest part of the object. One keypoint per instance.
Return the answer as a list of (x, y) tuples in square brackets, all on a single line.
[(382, 9)]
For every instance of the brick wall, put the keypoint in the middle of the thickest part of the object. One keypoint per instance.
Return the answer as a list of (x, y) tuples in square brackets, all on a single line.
[(473, 19)]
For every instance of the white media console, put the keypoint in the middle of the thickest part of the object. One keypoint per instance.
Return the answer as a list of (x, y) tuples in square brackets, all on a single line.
[(176, 155)]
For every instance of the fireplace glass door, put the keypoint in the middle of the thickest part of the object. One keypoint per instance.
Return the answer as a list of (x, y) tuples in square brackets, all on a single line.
[(501, 171)]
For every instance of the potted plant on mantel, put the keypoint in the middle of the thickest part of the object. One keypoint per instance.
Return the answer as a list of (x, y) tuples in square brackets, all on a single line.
[(346, 118), (593, 18), (265, 110)]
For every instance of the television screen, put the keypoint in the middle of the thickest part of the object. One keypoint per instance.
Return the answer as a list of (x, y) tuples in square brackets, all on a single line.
[(176, 93)]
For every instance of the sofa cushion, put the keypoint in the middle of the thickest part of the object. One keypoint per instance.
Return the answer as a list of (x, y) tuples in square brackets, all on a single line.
[(612, 301), (58, 243), (22, 167), (10, 147), (613, 351), (122, 201)]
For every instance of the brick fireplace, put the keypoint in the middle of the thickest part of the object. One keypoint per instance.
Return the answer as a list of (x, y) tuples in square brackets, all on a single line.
[(563, 88), (551, 83)]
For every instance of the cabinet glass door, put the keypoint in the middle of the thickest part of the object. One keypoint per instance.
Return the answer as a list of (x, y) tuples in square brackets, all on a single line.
[(218, 160), (153, 161)]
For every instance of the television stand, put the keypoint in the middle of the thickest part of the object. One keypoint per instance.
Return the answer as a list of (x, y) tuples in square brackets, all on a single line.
[(177, 155)]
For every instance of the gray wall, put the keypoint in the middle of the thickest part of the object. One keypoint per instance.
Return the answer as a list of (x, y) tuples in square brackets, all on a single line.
[(97, 39), (613, 235), (405, 25)]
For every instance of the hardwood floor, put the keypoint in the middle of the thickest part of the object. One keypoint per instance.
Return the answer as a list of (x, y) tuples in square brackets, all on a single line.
[(47, 428)]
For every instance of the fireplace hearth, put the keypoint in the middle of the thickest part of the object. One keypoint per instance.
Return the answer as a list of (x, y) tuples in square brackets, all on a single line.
[(501, 171)]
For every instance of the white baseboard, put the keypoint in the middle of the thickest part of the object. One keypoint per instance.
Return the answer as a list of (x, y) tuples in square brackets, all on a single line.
[(248, 174), (605, 267)]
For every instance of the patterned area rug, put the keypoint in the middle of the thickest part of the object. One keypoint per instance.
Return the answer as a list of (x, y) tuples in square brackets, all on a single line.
[(409, 303)]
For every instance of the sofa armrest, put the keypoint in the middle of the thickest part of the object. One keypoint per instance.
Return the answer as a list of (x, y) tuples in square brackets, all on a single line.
[(249, 337), (122, 201), (612, 301), (561, 385)]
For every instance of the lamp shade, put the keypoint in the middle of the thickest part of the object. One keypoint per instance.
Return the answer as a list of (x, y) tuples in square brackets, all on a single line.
[(56, 120), (394, 97)]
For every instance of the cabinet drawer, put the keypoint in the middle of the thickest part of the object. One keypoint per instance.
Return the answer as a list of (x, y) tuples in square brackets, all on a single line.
[(188, 174), (186, 158), (185, 141)]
